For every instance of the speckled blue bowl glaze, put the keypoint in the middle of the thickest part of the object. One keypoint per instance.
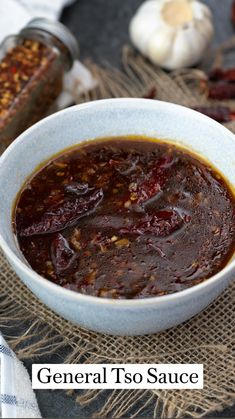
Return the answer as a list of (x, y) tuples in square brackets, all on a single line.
[(104, 118)]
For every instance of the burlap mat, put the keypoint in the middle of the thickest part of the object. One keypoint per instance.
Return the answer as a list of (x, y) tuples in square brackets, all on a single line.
[(209, 338)]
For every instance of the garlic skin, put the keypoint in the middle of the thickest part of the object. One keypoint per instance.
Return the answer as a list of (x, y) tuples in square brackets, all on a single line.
[(172, 33)]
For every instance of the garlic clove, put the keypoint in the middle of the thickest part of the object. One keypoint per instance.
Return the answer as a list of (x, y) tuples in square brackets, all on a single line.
[(140, 32), (206, 29), (160, 45), (201, 11), (185, 51)]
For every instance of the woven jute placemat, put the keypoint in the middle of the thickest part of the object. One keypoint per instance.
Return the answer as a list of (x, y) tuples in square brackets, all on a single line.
[(208, 338)]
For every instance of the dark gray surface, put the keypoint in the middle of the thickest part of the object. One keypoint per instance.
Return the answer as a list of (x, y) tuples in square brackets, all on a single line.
[(101, 27)]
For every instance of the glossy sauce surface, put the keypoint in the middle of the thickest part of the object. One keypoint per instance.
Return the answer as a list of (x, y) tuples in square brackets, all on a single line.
[(126, 218)]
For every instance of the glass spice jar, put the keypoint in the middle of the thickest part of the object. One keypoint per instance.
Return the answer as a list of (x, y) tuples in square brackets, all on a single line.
[(32, 65)]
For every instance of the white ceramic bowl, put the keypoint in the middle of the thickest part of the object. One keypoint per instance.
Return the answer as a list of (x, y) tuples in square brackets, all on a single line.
[(105, 118)]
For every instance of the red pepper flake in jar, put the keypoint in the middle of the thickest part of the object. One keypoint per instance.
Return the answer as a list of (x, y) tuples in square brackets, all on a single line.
[(31, 74), (22, 69)]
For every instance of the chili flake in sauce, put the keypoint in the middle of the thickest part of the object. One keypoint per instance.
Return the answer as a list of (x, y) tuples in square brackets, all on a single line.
[(126, 218)]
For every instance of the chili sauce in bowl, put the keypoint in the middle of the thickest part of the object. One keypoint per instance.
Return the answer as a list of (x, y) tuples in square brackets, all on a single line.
[(127, 217)]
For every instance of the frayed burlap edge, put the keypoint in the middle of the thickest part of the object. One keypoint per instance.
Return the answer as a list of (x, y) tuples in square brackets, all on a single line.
[(208, 338)]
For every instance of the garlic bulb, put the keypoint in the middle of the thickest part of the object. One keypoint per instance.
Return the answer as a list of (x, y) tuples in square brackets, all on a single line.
[(172, 33)]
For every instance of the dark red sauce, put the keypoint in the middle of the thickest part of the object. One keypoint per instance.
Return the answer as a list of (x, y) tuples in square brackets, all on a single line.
[(126, 218)]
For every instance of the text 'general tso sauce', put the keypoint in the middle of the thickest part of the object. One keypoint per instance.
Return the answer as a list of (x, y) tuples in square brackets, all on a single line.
[(126, 218)]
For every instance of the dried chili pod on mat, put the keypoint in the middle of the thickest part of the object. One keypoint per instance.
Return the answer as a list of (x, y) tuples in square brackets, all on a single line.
[(221, 91), (233, 13), (218, 113), (151, 94), (217, 74)]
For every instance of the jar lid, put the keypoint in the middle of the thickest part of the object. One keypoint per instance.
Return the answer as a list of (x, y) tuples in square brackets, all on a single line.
[(56, 29)]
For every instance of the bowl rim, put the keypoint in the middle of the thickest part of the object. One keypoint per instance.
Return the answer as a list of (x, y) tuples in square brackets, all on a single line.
[(128, 303)]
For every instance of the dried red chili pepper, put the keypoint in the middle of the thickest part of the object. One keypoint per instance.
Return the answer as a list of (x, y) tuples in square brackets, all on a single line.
[(217, 74), (161, 224), (62, 256), (233, 12), (218, 113), (221, 91), (151, 94), (155, 181), (64, 215)]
